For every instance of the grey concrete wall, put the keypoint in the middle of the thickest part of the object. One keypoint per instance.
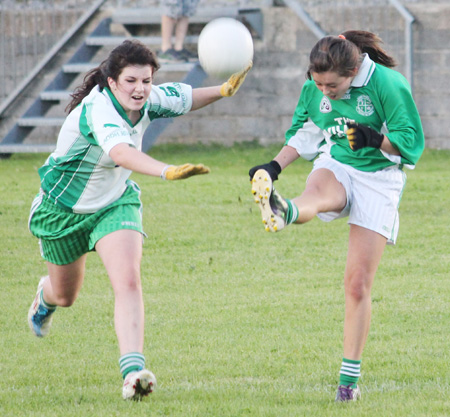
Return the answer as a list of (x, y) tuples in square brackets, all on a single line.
[(263, 108), (432, 70)]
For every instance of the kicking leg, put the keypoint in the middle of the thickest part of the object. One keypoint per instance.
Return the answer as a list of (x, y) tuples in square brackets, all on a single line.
[(323, 193)]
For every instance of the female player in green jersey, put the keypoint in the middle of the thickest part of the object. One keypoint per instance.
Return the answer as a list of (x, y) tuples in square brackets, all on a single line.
[(356, 117), (87, 201)]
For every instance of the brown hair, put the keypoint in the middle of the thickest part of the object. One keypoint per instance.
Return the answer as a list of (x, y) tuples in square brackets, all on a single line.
[(342, 54), (129, 52)]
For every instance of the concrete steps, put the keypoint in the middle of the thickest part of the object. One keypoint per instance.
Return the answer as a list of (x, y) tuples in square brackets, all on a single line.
[(104, 36)]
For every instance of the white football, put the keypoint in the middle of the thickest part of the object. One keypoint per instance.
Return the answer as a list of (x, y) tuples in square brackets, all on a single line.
[(225, 46)]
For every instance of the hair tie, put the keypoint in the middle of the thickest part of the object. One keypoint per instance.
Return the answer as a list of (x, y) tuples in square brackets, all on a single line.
[(342, 37)]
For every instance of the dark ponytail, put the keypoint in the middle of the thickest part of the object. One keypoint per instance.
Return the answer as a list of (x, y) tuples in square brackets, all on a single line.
[(342, 54), (90, 80), (370, 44), (129, 52)]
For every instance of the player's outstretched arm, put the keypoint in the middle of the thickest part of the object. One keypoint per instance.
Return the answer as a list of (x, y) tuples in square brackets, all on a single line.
[(130, 158), (203, 96)]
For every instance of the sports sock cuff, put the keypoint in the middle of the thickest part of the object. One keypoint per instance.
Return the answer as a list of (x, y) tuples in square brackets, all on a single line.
[(352, 361), (130, 362), (292, 214), (350, 372), (44, 303)]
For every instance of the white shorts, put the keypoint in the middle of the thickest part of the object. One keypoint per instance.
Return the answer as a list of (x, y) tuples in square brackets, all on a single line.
[(372, 197)]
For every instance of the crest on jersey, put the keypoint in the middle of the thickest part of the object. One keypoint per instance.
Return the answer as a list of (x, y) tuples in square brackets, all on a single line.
[(325, 105), (364, 106)]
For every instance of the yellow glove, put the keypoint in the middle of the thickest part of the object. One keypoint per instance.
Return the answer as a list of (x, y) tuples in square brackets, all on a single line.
[(229, 89), (180, 172)]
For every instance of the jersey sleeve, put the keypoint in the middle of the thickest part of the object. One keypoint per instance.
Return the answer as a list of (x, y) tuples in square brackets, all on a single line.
[(169, 100), (304, 135), (404, 128)]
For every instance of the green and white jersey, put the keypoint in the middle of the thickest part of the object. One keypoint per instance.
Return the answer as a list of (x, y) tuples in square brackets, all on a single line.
[(79, 175), (378, 97)]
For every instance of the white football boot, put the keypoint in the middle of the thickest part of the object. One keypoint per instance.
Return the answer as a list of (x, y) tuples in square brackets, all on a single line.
[(138, 384), (273, 207)]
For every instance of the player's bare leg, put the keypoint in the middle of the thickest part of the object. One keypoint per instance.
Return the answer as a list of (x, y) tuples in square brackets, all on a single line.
[(65, 282), (364, 254), (121, 253), (365, 250), (59, 288)]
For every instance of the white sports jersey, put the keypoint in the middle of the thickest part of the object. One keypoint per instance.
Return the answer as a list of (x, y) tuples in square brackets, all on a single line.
[(79, 175)]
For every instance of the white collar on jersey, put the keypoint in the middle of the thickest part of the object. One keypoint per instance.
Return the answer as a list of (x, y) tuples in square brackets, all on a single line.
[(365, 72)]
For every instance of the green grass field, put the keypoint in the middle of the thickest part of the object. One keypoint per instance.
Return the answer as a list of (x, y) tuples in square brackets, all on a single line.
[(240, 322)]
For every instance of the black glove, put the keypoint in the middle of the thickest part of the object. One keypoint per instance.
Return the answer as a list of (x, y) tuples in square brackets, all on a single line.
[(273, 168), (361, 136)]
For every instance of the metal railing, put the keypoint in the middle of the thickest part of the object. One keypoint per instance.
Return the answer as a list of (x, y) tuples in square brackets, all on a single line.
[(218, 3), (29, 29)]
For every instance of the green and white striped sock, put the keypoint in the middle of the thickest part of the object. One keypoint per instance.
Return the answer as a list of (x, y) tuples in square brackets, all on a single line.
[(292, 213), (130, 362), (49, 307), (350, 372)]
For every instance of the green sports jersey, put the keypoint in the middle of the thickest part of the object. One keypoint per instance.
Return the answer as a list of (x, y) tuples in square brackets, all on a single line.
[(378, 97), (79, 175)]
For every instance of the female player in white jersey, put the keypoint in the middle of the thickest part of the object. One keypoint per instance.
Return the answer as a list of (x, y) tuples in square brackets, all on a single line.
[(358, 116), (87, 202)]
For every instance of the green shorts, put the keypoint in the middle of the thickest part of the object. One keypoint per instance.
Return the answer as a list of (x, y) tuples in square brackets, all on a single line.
[(64, 236)]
